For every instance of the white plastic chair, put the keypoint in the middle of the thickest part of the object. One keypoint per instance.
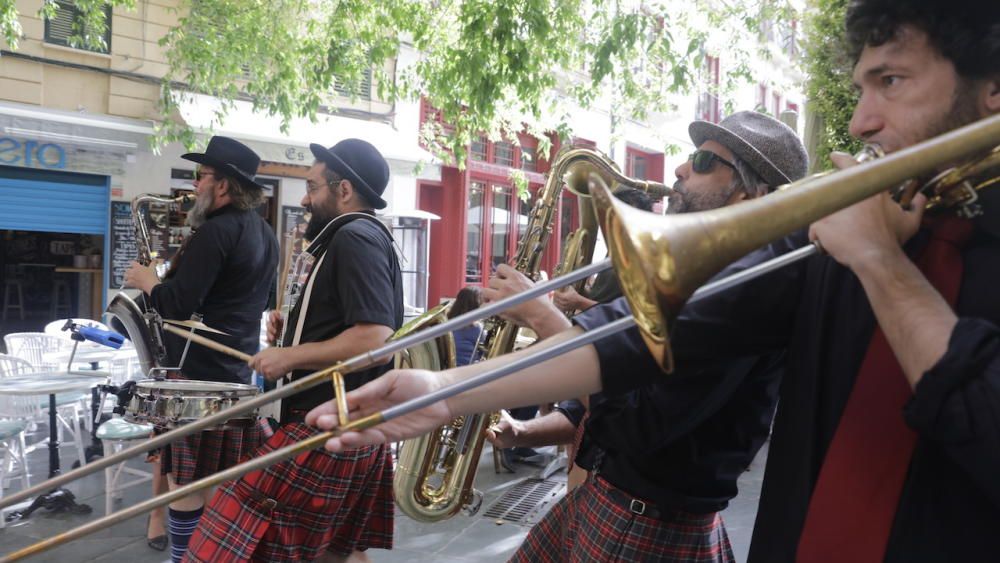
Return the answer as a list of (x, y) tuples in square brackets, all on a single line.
[(32, 346), (32, 409)]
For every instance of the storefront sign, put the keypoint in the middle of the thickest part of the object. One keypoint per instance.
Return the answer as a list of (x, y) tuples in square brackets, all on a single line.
[(32, 154)]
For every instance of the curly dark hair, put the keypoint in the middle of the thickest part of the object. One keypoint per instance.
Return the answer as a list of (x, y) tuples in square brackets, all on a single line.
[(965, 32), (635, 197)]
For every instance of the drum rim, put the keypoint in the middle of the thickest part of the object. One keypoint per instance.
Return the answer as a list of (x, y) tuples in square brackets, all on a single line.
[(195, 386)]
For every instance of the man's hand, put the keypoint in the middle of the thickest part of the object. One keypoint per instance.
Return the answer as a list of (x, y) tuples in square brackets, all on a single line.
[(505, 433), (273, 363), (870, 231), (389, 390), (141, 277), (567, 299), (275, 322), (537, 314)]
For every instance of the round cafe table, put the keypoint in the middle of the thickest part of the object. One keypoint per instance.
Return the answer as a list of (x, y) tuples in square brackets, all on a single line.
[(49, 383)]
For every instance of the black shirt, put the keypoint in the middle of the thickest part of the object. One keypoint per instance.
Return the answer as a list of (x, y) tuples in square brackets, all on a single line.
[(359, 281), (225, 273), (680, 442), (950, 504)]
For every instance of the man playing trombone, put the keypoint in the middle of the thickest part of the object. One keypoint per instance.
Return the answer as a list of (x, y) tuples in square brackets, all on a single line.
[(886, 443), (656, 493)]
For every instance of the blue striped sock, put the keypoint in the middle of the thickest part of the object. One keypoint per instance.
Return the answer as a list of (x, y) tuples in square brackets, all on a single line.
[(182, 525)]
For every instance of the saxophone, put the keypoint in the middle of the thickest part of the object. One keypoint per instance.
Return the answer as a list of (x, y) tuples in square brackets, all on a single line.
[(578, 248), (435, 472), (146, 255)]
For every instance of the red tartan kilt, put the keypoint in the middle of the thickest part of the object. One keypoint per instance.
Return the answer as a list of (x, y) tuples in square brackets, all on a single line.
[(205, 453), (589, 525), (326, 502)]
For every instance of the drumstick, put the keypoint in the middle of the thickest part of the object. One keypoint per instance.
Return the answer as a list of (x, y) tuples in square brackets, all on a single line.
[(206, 342)]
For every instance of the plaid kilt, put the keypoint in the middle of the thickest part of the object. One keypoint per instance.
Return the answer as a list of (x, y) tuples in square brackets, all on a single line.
[(589, 525), (204, 453), (325, 501)]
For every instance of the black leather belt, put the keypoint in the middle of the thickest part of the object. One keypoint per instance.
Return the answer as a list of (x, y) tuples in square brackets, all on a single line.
[(293, 415), (636, 506)]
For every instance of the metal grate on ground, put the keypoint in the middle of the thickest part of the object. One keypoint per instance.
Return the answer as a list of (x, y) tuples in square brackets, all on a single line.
[(526, 502)]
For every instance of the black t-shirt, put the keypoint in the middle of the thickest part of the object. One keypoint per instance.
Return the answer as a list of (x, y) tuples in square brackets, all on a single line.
[(359, 281)]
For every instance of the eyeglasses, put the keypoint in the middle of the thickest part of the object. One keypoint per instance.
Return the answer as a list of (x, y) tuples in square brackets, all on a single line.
[(199, 175), (702, 161)]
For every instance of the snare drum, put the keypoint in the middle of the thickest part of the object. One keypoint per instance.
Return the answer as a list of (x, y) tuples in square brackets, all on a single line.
[(171, 403)]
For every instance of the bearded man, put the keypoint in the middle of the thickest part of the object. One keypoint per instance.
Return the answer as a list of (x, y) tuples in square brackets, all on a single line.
[(224, 272)]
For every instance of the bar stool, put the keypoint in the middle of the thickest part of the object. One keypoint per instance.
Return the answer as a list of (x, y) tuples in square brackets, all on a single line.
[(62, 302), (13, 287), (115, 433)]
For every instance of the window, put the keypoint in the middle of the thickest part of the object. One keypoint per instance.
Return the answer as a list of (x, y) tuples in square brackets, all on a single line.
[(59, 29), (496, 221), (478, 149), (503, 153), (636, 166), (789, 39), (643, 165), (528, 158), (474, 234), (708, 101), (363, 90)]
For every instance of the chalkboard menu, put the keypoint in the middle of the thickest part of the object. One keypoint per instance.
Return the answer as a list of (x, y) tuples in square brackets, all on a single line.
[(123, 249)]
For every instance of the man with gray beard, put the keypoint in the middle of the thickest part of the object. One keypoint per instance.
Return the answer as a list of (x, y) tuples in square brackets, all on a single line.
[(225, 272)]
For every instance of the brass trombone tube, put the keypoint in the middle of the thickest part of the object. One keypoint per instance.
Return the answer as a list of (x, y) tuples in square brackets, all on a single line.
[(662, 261), (317, 378)]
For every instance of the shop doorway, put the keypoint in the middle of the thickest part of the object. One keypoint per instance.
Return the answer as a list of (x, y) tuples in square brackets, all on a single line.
[(53, 228)]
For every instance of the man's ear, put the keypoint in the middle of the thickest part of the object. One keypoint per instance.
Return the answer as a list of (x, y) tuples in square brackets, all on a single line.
[(223, 187), (991, 95), (345, 190)]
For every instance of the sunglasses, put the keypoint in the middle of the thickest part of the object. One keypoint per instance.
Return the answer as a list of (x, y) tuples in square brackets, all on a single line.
[(703, 161)]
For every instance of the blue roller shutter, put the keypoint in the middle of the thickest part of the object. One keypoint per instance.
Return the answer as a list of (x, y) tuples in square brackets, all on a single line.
[(56, 202)]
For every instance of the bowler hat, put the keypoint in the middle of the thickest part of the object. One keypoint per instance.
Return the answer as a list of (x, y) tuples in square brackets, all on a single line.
[(231, 158), (771, 148), (359, 162)]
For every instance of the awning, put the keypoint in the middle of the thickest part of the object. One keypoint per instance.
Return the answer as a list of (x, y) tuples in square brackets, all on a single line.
[(242, 122)]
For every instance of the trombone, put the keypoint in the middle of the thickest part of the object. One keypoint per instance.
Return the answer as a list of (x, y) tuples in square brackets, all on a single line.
[(661, 263)]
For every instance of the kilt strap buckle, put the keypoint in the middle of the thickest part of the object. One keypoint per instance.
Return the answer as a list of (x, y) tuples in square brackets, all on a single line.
[(266, 503), (637, 507)]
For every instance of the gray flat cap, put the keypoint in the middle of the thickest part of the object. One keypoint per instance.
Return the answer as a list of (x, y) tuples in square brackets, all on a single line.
[(769, 146)]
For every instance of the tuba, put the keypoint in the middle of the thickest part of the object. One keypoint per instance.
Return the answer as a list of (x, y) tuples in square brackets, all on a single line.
[(435, 473)]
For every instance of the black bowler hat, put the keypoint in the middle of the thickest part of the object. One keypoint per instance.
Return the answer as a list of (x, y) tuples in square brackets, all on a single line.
[(231, 158), (359, 162)]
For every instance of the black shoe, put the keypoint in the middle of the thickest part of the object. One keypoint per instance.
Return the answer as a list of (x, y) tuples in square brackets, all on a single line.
[(159, 543)]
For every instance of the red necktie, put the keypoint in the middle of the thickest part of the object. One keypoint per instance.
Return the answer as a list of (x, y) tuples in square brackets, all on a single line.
[(854, 503)]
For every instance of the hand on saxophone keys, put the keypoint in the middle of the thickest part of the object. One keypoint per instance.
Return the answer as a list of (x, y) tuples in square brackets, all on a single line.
[(141, 277)]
